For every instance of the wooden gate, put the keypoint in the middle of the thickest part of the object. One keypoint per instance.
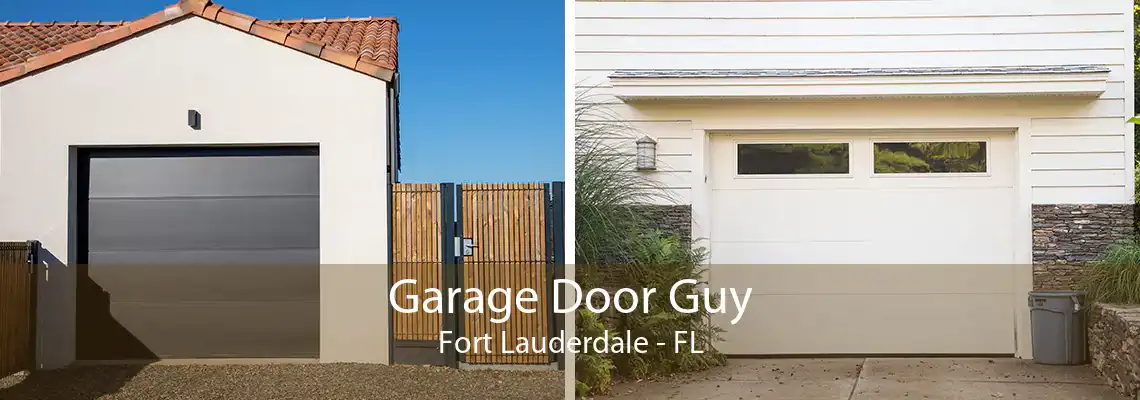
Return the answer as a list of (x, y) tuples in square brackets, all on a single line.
[(505, 237), (17, 306), (422, 220), (507, 227)]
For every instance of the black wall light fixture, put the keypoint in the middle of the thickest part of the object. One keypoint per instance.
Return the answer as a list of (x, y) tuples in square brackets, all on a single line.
[(194, 119)]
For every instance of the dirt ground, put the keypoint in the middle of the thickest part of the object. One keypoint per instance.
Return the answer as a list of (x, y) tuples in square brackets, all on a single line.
[(280, 381)]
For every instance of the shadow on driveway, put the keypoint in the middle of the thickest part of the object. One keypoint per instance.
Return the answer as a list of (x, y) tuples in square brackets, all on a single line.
[(86, 383)]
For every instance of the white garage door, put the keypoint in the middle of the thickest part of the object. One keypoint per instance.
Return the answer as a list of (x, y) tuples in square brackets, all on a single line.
[(866, 244)]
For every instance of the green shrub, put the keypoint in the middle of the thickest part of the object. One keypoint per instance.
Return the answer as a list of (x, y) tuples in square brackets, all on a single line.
[(658, 262), (1115, 276), (661, 261), (593, 372), (616, 249)]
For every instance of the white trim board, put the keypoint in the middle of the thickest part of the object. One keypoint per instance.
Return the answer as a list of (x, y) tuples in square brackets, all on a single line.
[(1077, 84)]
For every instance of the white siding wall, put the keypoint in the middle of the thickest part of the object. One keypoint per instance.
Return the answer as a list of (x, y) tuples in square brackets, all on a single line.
[(1079, 151), (249, 91)]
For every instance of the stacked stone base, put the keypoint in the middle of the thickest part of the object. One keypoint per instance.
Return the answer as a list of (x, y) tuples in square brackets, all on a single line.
[(671, 220), (1114, 346), (1066, 237)]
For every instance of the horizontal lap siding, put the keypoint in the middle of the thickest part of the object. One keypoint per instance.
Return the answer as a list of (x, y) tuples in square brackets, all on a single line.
[(675, 146), (1069, 156), (894, 10), (1078, 153)]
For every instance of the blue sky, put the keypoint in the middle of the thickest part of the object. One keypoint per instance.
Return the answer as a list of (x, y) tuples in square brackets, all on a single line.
[(482, 96)]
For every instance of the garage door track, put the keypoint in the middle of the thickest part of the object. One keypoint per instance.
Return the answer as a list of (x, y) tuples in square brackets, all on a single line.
[(880, 378)]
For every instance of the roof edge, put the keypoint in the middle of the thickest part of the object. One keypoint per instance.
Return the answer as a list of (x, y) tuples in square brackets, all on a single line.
[(62, 23), (210, 11), (394, 20), (345, 19)]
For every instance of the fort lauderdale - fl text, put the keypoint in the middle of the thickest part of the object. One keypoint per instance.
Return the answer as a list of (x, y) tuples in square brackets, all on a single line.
[(608, 343)]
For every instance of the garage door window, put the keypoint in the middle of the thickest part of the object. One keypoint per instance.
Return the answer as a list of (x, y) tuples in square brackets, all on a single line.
[(793, 158), (963, 157)]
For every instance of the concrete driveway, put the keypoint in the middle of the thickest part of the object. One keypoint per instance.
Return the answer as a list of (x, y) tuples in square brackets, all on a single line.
[(879, 378)]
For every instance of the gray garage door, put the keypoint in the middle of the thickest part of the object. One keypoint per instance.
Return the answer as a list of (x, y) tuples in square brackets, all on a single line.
[(198, 253)]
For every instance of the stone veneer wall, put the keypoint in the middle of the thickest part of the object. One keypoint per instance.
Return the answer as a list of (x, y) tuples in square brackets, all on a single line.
[(675, 220), (671, 220), (1114, 346), (1067, 236)]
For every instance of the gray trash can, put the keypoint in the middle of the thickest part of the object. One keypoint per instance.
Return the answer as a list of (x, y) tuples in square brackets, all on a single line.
[(1058, 323)]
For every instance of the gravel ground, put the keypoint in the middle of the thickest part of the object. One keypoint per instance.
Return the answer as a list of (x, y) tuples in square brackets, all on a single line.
[(281, 381)]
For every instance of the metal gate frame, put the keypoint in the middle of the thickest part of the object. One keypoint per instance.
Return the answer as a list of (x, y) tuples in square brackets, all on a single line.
[(557, 237), (452, 273)]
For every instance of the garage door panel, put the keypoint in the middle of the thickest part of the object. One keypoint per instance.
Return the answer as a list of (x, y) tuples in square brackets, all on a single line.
[(751, 216), (868, 264), (872, 324), (924, 208), (860, 215), (207, 283), (204, 176), (865, 279), (915, 250), (215, 223), (744, 253), (185, 257), (196, 253), (224, 329)]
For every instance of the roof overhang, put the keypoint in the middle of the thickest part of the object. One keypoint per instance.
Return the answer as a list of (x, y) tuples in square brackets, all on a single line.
[(807, 84)]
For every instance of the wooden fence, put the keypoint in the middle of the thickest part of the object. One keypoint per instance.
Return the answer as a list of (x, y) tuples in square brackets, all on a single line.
[(511, 232), (508, 225), (416, 254), (17, 306)]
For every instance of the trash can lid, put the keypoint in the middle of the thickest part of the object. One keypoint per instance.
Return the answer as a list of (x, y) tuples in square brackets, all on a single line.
[(1055, 293)]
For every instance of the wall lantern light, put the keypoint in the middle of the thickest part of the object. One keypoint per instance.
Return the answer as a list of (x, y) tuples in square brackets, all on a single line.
[(646, 154), (194, 119)]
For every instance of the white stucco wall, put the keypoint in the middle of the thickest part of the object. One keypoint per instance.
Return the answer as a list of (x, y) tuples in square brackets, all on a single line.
[(249, 91)]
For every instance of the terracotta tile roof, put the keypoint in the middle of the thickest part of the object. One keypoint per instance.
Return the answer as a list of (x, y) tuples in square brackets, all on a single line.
[(23, 40), (373, 39), (367, 45)]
